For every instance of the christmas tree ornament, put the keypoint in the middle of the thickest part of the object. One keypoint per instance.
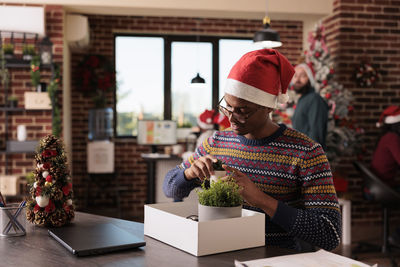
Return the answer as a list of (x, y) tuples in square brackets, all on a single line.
[(42, 201), (51, 192)]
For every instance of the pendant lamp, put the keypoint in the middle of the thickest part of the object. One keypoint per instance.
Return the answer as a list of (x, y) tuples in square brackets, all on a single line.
[(267, 37), (198, 80)]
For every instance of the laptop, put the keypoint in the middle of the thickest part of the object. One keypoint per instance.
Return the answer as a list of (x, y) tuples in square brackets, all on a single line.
[(83, 240)]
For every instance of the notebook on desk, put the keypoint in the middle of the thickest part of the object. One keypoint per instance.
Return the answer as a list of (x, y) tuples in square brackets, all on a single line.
[(83, 240)]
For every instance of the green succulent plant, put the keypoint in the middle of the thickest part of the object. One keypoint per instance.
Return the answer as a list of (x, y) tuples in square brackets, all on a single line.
[(220, 194), (28, 49), (12, 98), (8, 49)]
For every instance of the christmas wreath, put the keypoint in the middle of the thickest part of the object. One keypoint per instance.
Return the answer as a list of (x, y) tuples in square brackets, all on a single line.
[(366, 75), (97, 76)]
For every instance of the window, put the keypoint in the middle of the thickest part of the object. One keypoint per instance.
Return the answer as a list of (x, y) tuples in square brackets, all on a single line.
[(188, 59), (140, 81), (154, 74)]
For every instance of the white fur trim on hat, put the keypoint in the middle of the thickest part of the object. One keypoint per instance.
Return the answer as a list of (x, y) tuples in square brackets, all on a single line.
[(250, 93), (206, 126), (309, 72), (392, 119)]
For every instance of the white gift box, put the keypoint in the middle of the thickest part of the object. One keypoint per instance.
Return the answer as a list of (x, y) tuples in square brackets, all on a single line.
[(167, 222)]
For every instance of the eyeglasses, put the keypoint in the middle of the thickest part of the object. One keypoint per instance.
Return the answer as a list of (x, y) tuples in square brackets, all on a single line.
[(238, 114)]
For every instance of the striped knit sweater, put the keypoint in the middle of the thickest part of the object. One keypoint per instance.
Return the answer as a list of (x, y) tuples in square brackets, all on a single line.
[(288, 166)]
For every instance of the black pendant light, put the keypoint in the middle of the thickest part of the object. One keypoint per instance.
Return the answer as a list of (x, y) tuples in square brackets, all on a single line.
[(198, 79), (267, 37)]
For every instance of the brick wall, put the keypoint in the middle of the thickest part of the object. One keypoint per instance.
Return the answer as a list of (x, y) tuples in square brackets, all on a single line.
[(131, 168), (38, 123), (366, 30)]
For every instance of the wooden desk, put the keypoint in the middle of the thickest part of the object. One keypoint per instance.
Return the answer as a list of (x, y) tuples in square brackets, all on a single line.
[(37, 248)]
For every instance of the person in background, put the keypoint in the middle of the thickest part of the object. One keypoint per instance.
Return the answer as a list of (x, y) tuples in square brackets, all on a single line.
[(386, 157), (311, 114), (282, 172), (208, 124)]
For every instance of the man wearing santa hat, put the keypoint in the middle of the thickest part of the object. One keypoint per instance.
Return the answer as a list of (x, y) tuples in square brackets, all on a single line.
[(386, 158), (311, 114), (282, 172)]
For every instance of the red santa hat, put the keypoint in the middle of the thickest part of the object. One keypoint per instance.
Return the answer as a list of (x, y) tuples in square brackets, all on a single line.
[(222, 121), (261, 77), (309, 71), (390, 115), (206, 119)]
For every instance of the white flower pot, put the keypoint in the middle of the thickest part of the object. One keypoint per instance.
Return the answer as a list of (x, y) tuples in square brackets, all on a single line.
[(208, 213), (217, 175)]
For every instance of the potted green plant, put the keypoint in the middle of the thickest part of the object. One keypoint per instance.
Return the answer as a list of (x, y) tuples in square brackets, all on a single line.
[(220, 201), (8, 50), (12, 101), (28, 51)]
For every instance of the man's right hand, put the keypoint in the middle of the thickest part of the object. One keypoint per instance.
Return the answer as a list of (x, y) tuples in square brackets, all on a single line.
[(201, 168)]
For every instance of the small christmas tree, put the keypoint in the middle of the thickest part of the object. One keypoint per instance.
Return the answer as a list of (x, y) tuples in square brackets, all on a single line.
[(51, 203)]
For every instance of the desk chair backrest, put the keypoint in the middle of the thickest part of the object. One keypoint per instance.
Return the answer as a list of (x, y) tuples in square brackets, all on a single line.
[(377, 190)]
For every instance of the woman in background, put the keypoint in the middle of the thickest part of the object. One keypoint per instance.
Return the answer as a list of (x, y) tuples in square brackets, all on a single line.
[(386, 158)]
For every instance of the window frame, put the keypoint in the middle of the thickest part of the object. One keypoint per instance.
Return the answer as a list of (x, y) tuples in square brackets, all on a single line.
[(168, 39)]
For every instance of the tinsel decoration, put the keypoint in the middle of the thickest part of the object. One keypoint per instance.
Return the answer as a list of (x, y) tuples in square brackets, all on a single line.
[(51, 193)]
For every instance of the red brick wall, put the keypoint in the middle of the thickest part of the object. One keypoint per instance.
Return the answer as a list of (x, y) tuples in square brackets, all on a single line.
[(366, 30), (38, 123), (131, 168)]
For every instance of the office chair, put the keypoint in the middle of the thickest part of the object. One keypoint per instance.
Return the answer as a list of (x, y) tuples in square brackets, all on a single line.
[(376, 191)]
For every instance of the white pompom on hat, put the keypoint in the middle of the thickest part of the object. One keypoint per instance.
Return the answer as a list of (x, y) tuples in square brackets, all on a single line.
[(261, 77), (309, 71), (206, 119), (390, 115)]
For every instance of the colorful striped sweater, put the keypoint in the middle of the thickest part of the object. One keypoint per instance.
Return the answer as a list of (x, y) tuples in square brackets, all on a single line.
[(288, 166)]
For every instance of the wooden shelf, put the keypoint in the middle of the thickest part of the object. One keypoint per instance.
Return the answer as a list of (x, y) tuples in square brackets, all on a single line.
[(11, 109), (20, 63)]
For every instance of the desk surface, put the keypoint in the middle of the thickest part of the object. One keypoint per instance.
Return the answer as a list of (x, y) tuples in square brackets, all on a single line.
[(37, 248)]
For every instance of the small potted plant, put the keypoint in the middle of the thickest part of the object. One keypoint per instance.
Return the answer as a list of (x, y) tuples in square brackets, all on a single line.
[(220, 201), (8, 50), (28, 51), (12, 101)]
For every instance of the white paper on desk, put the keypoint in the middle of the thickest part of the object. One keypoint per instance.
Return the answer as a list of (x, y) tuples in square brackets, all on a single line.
[(312, 259)]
